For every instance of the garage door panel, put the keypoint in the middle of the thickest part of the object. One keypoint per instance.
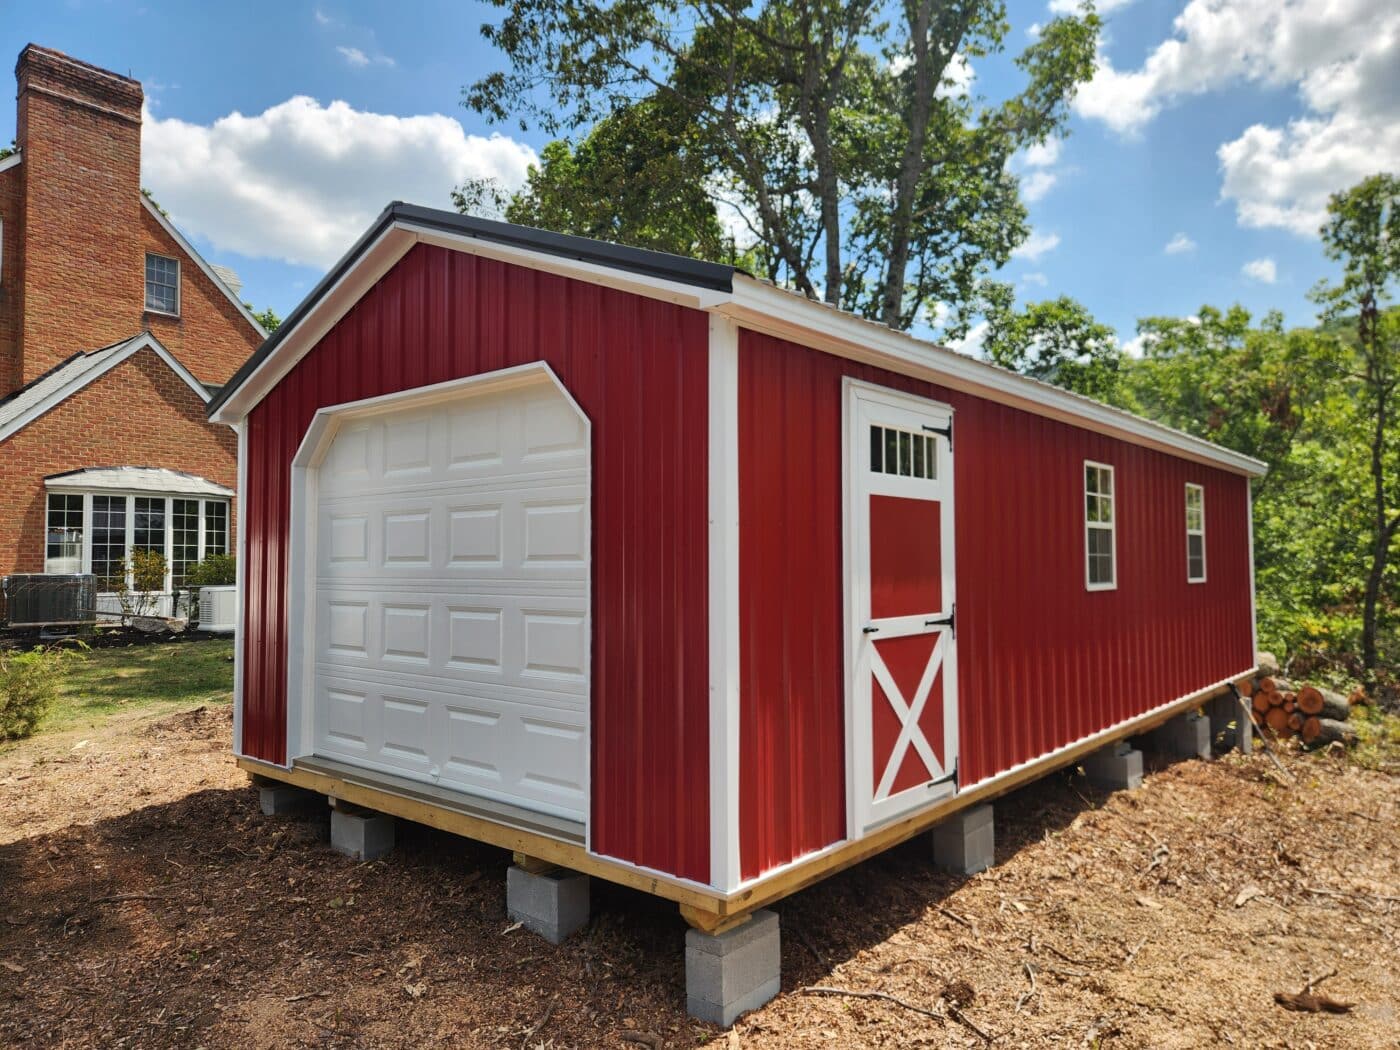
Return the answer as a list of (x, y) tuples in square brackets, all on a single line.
[(452, 633)]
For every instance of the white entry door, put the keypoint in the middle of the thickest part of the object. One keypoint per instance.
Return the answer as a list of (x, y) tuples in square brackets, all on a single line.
[(451, 633), (901, 604)]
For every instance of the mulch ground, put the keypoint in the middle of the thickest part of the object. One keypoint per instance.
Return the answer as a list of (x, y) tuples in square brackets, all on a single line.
[(147, 903)]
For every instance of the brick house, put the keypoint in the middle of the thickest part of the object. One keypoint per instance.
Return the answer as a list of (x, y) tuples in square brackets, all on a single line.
[(113, 335)]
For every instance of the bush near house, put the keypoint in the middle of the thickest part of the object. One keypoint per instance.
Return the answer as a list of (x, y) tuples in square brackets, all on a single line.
[(29, 684)]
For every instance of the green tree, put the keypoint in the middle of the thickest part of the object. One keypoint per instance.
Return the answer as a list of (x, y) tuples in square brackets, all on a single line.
[(1057, 341), (1363, 234), (842, 131), (267, 318)]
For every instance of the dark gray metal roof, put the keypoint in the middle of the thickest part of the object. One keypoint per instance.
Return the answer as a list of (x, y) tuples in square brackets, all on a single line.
[(680, 269)]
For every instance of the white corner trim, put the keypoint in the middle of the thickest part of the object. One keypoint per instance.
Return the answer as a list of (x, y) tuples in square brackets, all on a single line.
[(1253, 607), (237, 519), (12, 161), (144, 341), (207, 270), (725, 860)]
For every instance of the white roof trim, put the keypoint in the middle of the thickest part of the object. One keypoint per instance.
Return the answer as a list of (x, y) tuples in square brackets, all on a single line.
[(11, 161), (756, 305), (135, 479), (208, 270), (67, 379)]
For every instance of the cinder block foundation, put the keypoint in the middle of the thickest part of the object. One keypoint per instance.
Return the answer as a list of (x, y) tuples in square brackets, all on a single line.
[(1185, 736), (965, 843), (361, 833), (277, 799), (729, 974), (553, 904), (1230, 727), (1116, 767)]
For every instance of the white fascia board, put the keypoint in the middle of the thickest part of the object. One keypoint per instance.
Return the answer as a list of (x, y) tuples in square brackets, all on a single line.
[(208, 270), (777, 312), (145, 341)]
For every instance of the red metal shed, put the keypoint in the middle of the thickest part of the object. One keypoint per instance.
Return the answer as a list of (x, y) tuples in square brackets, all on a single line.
[(647, 568)]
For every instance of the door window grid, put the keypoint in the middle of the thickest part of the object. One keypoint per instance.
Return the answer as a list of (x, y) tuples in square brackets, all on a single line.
[(1195, 533), (1099, 524), (903, 453)]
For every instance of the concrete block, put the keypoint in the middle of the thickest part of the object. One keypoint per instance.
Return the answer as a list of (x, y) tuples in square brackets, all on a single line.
[(965, 843), (729, 974), (553, 904), (279, 800), (361, 834), (1230, 727), (1115, 767), (1185, 736)]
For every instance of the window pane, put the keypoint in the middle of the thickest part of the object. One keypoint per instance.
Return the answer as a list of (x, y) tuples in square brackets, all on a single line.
[(1106, 509), (1100, 569), (891, 452), (1195, 557), (184, 534), (108, 538), (215, 528), (877, 448), (1105, 481), (162, 281), (919, 446), (1091, 479), (932, 458), (63, 548), (148, 532), (1101, 542), (905, 454)]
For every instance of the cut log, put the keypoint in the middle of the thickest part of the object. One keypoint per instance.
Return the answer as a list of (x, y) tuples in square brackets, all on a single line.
[(1295, 721), (1277, 719), (1275, 698), (1287, 733), (1329, 730), (1260, 702), (1312, 727), (1289, 704), (1246, 688), (1309, 700), (1334, 705), (1266, 684)]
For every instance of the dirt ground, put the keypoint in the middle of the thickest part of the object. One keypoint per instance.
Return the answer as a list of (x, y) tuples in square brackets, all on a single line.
[(147, 903)]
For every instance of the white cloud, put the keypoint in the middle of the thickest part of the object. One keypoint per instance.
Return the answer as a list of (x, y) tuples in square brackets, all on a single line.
[(1037, 184), (1043, 154), (1341, 56), (1035, 278), (1179, 245), (1069, 7), (971, 344), (1039, 158), (1262, 270), (359, 60), (1036, 245), (323, 19), (301, 181), (1033, 30)]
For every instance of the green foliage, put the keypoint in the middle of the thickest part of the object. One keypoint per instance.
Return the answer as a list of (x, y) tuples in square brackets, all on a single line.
[(267, 318), (840, 133), (1057, 341), (151, 197), (217, 570), (8, 151), (29, 684)]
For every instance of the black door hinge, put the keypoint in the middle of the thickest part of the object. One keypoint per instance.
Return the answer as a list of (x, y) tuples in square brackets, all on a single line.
[(947, 432), (953, 776), (949, 621)]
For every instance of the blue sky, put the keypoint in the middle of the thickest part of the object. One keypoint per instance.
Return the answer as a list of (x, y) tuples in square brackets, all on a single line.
[(1220, 125)]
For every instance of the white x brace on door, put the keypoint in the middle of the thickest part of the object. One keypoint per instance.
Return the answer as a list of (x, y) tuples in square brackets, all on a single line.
[(902, 652)]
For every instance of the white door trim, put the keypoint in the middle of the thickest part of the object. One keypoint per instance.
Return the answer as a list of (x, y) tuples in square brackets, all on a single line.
[(864, 813), (302, 533)]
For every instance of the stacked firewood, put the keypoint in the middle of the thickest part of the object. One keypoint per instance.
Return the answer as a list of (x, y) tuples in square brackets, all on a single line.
[(1314, 715)]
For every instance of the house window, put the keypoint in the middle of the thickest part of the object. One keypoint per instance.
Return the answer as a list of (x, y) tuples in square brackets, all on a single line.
[(904, 453), (63, 551), (1100, 569), (162, 284), (108, 540), (1195, 534), (186, 528)]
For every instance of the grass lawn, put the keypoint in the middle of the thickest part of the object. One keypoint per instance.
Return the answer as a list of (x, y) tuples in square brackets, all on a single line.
[(149, 679)]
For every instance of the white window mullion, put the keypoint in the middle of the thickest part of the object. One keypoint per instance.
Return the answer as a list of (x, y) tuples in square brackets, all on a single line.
[(86, 561), (130, 502), (170, 547), (200, 531)]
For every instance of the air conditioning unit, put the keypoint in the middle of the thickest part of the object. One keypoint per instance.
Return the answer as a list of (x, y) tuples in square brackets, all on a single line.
[(218, 609), (45, 599)]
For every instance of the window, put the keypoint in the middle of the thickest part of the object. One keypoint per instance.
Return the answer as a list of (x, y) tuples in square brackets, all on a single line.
[(215, 528), (903, 452), (1195, 534), (184, 538), (1100, 571), (162, 284), (63, 550), (189, 528), (108, 539)]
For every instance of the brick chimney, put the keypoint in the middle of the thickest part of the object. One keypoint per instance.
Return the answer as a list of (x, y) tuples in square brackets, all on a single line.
[(79, 136)]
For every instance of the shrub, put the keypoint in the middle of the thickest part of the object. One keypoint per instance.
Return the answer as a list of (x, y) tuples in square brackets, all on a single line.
[(217, 570), (28, 687)]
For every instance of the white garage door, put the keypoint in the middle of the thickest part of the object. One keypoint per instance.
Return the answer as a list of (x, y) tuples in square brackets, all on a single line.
[(452, 631)]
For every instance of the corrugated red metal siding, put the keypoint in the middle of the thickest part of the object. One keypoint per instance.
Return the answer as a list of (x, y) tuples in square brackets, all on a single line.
[(1041, 661), (639, 369)]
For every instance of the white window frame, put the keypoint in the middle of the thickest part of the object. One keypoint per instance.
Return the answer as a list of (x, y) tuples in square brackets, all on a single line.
[(129, 497), (1201, 532), (146, 285), (1111, 526)]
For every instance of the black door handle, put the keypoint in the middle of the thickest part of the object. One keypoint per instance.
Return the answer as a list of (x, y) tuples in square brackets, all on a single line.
[(869, 630)]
